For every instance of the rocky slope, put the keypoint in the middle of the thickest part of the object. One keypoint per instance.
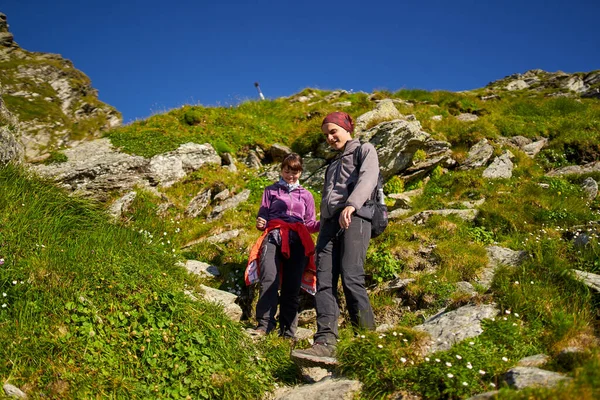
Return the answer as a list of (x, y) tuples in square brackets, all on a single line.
[(54, 102), (584, 84)]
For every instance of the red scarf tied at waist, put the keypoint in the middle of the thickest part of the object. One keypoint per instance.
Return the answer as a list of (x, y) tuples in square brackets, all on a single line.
[(309, 277)]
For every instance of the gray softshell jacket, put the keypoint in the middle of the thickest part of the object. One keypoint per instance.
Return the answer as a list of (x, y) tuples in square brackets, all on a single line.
[(344, 184)]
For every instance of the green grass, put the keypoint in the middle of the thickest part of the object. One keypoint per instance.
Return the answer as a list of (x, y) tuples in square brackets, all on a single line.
[(95, 310)]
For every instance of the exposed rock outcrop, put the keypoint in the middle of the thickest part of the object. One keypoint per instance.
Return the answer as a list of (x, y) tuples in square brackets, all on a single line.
[(584, 84), (501, 167), (478, 155), (96, 168), (55, 103), (11, 149), (448, 328), (576, 169)]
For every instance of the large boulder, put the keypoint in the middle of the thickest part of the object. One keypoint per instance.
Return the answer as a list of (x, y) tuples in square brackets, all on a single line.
[(11, 150), (501, 167), (576, 169), (448, 328), (396, 143), (384, 111), (170, 167), (478, 156), (95, 168), (523, 377)]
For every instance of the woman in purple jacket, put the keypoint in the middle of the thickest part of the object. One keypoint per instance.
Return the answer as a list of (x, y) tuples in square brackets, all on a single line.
[(290, 206)]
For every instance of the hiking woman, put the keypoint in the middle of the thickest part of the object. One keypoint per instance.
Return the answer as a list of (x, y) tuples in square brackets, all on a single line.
[(344, 236), (282, 259)]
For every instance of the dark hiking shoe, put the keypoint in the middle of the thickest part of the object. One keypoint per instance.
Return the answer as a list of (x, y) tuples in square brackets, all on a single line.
[(319, 355)]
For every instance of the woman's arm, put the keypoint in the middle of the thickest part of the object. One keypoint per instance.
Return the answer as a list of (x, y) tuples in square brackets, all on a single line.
[(263, 211), (367, 177), (310, 219)]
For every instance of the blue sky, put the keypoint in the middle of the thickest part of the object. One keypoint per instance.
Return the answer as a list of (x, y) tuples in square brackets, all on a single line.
[(150, 56)]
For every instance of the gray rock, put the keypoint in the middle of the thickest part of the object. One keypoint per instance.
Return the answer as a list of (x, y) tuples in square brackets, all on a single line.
[(467, 117), (396, 143), (523, 377), (201, 268), (500, 168), (314, 374), (198, 203), (467, 203), (95, 168), (279, 152), (590, 280), (448, 328), (225, 299), (13, 391), (327, 389), (121, 205), (498, 256), (253, 161), (533, 361), (222, 195), (335, 94), (478, 156), (590, 187), (398, 213), (517, 85), (384, 111), (168, 168), (501, 255), (519, 141), (229, 162), (422, 168), (232, 202), (223, 237), (490, 97), (569, 357), (11, 150), (304, 334), (436, 118), (485, 396), (396, 284), (423, 216), (576, 169), (532, 149), (466, 287), (342, 104)]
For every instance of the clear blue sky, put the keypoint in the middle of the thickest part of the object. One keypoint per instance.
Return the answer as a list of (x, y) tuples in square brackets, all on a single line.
[(150, 56)]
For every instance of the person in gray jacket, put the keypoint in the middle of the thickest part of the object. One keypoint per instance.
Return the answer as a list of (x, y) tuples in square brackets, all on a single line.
[(343, 237)]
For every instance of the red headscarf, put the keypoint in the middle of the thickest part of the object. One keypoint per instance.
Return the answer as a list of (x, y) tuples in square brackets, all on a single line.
[(340, 119)]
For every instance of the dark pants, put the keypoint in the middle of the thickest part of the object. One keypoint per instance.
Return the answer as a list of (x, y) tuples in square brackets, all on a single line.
[(342, 255), (291, 277)]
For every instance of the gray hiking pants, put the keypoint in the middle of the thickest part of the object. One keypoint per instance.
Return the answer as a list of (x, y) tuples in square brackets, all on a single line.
[(291, 277), (342, 253)]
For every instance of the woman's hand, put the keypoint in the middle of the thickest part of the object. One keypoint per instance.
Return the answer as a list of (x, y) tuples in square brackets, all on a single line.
[(261, 223), (346, 217)]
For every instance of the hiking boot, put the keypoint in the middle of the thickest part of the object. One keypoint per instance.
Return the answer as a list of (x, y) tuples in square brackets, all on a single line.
[(319, 355)]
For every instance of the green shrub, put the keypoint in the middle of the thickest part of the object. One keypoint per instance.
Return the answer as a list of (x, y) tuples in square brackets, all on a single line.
[(394, 185), (192, 117)]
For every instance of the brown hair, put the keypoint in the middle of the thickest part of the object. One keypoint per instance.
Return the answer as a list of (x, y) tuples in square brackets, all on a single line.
[(293, 161)]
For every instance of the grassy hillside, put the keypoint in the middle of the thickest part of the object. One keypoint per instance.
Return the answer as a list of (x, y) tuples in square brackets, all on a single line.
[(94, 292), (94, 310)]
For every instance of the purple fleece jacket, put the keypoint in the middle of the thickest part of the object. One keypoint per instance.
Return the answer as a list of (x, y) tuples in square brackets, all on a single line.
[(295, 206)]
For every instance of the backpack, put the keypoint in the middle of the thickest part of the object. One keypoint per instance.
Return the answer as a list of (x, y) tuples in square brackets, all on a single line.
[(374, 209)]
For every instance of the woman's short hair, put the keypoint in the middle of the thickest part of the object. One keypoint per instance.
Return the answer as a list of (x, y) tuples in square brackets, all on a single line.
[(293, 161)]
